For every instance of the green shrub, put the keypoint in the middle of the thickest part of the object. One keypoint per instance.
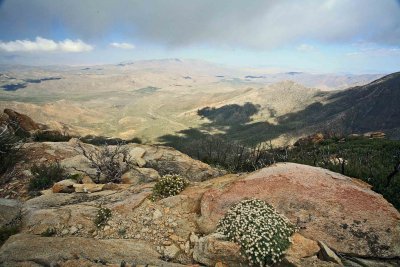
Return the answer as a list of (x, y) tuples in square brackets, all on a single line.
[(104, 140), (262, 233), (9, 150), (78, 177), (102, 217), (50, 136), (168, 185), (45, 175), (135, 140), (50, 231)]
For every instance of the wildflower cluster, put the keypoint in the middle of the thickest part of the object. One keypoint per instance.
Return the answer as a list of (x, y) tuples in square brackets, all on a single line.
[(168, 185), (262, 233), (103, 214)]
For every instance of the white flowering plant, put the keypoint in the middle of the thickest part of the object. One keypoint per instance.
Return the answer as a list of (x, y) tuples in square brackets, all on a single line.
[(102, 217), (262, 233), (168, 185)]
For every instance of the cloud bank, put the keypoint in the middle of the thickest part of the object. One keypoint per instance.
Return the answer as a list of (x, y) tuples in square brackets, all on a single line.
[(122, 45), (45, 45), (256, 24)]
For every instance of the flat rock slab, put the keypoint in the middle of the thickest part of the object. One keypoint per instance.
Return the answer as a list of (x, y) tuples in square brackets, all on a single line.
[(327, 206), (52, 250)]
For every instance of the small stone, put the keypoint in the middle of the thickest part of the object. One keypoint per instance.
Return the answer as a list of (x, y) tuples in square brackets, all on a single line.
[(171, 251), (73, 230), (27, 173), (302, 247), (146, 219), (187, 247), (87, 180), (107, 227), (88, 188), (193, 238), (65, 232), (327, 254), (157, 214), (64, 186), (167, 243), (174, 237)]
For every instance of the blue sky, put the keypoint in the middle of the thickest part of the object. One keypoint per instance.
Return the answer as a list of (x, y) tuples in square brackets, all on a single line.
[(357, 36)]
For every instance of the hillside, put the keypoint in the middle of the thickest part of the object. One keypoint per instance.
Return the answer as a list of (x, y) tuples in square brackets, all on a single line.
[(156, 98), (361, 109)]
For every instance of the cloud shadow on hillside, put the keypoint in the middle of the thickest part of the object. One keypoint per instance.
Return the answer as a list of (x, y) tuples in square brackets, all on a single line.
[(233, 122)]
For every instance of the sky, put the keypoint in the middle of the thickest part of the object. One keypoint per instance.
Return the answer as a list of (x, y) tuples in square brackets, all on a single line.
[(352, 36)]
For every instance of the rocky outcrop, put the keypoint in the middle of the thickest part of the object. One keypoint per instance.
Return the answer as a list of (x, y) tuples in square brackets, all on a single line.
[(151, 161), (167, 160), (311, 139), (164, 226), (325, 205), (20, 121)]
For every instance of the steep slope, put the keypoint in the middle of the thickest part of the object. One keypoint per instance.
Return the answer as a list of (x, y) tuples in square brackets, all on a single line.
[(372, 107)]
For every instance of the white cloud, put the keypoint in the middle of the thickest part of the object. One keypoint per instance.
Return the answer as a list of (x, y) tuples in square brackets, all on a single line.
[(123, 45), (372, 49), (261, 24), (45, 45), (305, 48)]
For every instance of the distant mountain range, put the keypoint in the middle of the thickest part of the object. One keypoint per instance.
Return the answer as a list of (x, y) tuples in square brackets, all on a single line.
[(162, 100)]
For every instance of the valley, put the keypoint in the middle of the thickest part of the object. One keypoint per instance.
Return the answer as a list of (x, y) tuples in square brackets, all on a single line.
[(155, 99)]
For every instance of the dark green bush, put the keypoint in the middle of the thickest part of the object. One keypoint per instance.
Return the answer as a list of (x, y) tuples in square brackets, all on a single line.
[(50, 136), (102, 217), (230, 155), (45, 175), (103, 140), (9, 150), (50, 231)]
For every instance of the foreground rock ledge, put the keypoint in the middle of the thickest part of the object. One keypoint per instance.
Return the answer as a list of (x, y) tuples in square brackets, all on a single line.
[(327, 206), (339, 211), (28, 250)]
